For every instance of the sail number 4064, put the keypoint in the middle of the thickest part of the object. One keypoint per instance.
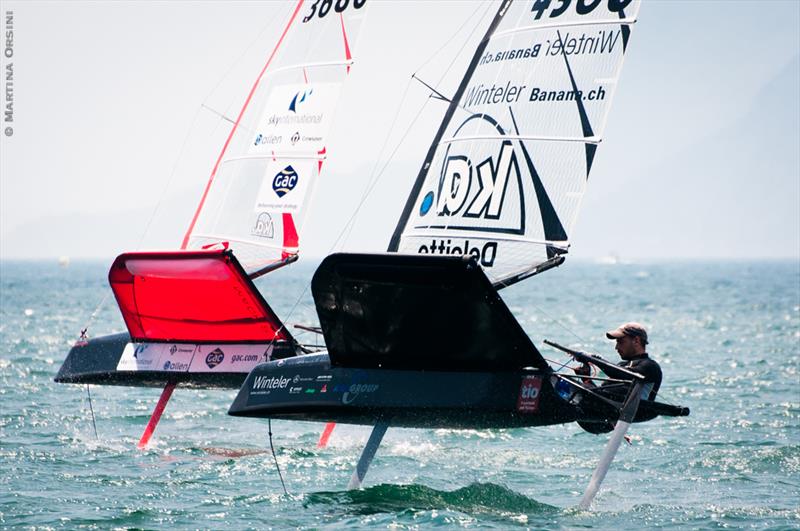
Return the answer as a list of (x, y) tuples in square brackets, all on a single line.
[(582, 7), (320, 8)]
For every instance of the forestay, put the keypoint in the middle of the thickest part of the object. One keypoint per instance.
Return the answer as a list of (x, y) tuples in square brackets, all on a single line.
[(258, 193), (504, 177)]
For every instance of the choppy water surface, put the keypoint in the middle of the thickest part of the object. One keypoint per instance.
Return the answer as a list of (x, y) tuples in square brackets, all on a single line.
[(726, 334)]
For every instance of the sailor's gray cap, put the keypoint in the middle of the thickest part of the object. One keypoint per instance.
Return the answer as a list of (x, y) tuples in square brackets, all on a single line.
[(629, 329)]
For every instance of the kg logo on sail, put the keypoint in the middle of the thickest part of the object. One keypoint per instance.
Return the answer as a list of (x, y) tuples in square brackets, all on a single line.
[(476, 181), (478, 191)]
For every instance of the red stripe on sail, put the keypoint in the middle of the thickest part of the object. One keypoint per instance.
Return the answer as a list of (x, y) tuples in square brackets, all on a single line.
[(347, 54), (290, 238), (321, 160), (236, 125)]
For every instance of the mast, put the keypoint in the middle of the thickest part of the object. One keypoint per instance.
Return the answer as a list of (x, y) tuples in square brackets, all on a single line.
[(448, 116)]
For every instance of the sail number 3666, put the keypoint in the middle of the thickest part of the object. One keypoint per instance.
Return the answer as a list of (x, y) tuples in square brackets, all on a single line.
[(582, 7), (320, 8)]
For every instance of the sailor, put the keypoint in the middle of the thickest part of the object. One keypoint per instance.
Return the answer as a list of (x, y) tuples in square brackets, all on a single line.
[(631, 346)]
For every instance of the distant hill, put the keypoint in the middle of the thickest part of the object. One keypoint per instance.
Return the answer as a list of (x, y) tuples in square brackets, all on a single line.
[(102, 235), (735, 194)]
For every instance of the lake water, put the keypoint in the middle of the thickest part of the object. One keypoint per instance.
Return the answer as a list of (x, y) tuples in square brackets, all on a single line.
[(727, 335)]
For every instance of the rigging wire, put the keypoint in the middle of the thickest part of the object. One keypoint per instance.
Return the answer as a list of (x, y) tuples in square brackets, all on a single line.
[(376, 173), (553, 320), (218, 113), (560, 365), (452, 38), (437, 95), (204, 106), (341, 240), (269, 25), (85, 330), (91, 409), (272, 448), (170, 179), (375, 177), (313, 348)]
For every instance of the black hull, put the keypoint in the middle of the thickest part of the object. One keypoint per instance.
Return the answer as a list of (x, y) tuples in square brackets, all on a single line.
[(419, 342), (309, 388), (96, 362)]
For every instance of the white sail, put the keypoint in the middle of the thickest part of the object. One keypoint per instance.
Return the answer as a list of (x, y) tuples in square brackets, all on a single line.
[(257, 196), (507, 170)]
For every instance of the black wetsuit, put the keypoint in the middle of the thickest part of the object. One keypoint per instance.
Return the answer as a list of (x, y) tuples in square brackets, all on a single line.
[(643, 365)]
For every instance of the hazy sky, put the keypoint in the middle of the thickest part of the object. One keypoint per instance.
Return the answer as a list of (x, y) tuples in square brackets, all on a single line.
[(700, 158)]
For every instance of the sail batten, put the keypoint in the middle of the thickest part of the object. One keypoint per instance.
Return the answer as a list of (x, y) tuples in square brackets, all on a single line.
[(574, 23), (227, 238), (431, 232), (277, 155), (505, 174), (306, 66), (584, 139)]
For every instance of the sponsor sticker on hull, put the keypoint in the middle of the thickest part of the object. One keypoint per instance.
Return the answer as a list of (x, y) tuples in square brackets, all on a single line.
[(358, 389), (264, 385), (139, 357), (181, 357), (529, 390), (160, 357), (229, 358), (176, 357)]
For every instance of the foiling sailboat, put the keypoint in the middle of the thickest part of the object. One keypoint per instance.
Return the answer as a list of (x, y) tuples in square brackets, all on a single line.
[(494, 202), (194, 316), (420, 337)]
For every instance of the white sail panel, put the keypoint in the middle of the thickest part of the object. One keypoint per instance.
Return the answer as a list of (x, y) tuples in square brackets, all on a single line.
[(265, 190), (255, 202), (511, 163), (290, 109), (555, 75)]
